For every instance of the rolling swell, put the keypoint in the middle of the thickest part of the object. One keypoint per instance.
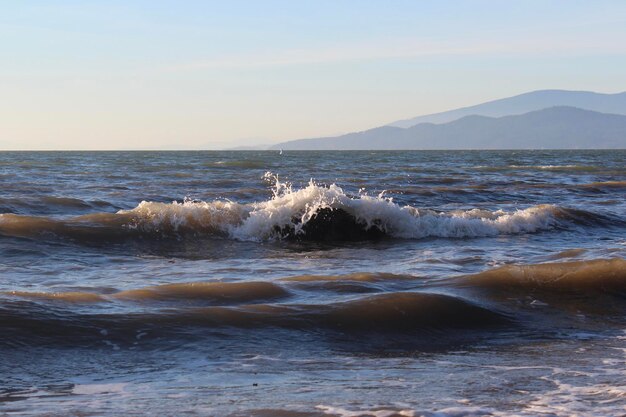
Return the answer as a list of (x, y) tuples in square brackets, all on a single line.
[(399, 313), (496, 300), (598, 275), (313, 213), (51, 205), (211, 292)]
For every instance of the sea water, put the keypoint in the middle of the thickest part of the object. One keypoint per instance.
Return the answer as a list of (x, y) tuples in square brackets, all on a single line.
[(435, 283)]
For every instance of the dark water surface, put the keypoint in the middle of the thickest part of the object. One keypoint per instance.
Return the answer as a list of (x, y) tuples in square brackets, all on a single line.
[(313, 283)]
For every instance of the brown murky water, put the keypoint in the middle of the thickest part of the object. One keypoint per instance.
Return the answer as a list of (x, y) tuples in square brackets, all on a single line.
[(313, 283)]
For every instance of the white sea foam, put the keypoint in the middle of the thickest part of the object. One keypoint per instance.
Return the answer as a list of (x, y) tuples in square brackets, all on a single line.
[(538, 167), (293, 208), (382, 412), (548, 167)]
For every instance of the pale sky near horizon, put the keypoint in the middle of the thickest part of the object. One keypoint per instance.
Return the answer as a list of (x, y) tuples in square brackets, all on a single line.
[(213, 74)]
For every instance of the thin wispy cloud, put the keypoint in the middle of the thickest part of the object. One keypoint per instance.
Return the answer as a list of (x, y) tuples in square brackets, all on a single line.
[(405, 49), (331, 54)]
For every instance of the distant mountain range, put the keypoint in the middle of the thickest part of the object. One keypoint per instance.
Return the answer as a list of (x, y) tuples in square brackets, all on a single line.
[(553, 128), (524, 103), (548, 119)]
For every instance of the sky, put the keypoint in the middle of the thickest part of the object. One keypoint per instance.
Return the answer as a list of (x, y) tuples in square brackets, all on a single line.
[(89, 74)]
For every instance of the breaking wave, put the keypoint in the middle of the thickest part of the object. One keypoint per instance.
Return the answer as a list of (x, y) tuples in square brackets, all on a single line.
[(315, 212)]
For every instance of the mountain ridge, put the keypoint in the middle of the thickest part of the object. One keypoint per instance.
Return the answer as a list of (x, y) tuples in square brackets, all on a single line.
[(556, 127), (613, 103)]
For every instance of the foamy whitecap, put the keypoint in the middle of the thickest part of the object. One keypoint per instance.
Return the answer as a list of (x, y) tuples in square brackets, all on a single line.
[(293, 212), (291, 209), (216, 216)]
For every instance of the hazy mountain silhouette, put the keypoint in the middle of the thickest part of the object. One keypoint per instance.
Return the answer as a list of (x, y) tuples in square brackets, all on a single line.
[(524, 103), (552, 128)]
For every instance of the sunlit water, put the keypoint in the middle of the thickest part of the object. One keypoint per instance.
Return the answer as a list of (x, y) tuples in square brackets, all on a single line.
[(313, 283)]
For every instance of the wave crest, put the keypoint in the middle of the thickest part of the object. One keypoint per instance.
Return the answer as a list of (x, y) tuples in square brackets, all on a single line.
[(300, 213), (314, 212), (597, 274)]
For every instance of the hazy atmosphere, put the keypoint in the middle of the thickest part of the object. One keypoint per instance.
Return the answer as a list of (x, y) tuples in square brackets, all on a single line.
[(215, 75)]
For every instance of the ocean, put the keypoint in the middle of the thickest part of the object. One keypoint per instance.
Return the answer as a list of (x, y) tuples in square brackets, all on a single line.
[(302, 284)]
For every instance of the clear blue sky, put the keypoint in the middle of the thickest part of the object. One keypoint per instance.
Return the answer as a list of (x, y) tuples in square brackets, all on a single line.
[(206, 74)]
